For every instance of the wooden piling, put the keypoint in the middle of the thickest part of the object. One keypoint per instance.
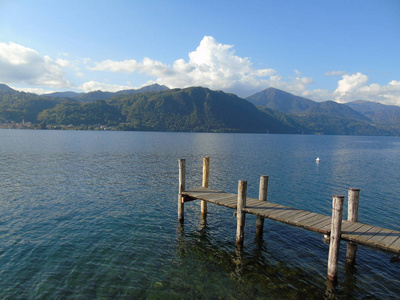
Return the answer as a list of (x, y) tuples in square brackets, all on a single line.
[(206, 175), (240, 214), (353, 203), (182, 186), (352, 216), (262, 195), (336, 228)]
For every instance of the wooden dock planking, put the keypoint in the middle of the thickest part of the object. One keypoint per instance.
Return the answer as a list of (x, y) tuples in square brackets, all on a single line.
[(395, 246), (360, 233), (321, 225), (335, 227)]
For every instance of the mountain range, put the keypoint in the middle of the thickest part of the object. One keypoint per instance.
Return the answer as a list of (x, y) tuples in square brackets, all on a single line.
[(157, 107), (100, 95)]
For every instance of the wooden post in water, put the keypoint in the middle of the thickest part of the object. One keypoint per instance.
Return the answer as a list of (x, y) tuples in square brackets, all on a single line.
[(182, 183), (352, 216), (206, 175), (262, 195), (336, 229), (240, 214)]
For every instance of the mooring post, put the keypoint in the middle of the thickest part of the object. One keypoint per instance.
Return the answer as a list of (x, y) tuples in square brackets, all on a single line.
[(182, 183), (262, 195), (352, 216), (336, 230), (206, 174), (240, 214)]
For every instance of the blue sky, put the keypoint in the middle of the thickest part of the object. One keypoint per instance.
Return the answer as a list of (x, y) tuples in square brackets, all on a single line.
[(323, 50)]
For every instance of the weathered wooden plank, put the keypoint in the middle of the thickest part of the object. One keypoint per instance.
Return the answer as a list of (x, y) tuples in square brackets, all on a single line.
[(317, 219), (388, 240), (289, 215), (301, 217), (364, 237), (349, 227), (285, 218), (326, 229), (297, 215), (254, 203), (294, 219), (395, 246), (379, 237), (310, 222), (280, 212), (305, 223), (229, 202), (319, 227), (351, 231), (215, 196), (352, 236)]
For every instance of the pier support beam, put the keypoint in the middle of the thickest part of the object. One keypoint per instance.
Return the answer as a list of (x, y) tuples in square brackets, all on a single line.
[(336, 229), (206, 175), (182, 186), (262, 195), (352, 215), (240, 214)]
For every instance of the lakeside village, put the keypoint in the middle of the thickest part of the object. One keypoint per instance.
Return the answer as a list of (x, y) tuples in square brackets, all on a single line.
[(30, 125)]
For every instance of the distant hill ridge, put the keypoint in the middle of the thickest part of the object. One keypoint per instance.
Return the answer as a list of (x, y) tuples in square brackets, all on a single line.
[(100, 95), (287, 103), (281, 101), (5, 89), (197, 109), (377, 112)]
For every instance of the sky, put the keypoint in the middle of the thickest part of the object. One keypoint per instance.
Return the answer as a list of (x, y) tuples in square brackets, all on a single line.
[(322, 50)]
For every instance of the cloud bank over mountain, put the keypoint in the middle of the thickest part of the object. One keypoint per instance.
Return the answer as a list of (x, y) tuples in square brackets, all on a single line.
[(22, 64), (211, 64)]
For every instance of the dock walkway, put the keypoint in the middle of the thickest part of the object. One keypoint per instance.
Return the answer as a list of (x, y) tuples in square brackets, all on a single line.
[(363, 234)]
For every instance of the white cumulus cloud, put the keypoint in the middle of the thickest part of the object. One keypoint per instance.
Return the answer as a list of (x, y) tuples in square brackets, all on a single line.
[(355, 87), (91, 86), (19, 64), (212, 64), (216, 66)]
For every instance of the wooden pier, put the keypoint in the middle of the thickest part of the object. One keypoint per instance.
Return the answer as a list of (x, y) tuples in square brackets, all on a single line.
[(349, 230)]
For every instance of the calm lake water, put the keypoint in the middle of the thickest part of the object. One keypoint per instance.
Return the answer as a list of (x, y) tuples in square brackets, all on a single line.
[(87, 215)]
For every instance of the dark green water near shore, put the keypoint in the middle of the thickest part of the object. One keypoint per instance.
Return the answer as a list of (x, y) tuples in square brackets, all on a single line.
[(92, 215)]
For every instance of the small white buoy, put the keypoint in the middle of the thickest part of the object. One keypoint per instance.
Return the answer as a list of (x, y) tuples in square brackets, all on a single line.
[(317, 160)]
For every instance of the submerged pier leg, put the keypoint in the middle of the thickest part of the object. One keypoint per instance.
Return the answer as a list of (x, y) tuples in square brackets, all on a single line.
[(336, 229), (262, 195), (206, 175), (182, 183), (240, 214), (352, 215)]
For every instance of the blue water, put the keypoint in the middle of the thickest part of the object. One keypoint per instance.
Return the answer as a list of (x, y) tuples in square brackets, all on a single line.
[(88, 215)]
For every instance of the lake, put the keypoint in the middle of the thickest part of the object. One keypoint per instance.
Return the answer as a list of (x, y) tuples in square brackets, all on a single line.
[(90, 214)]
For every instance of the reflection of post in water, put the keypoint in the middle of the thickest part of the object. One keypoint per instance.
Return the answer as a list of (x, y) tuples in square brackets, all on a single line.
[(330, 291), (180, 239), (238, 263), (349, 284)]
